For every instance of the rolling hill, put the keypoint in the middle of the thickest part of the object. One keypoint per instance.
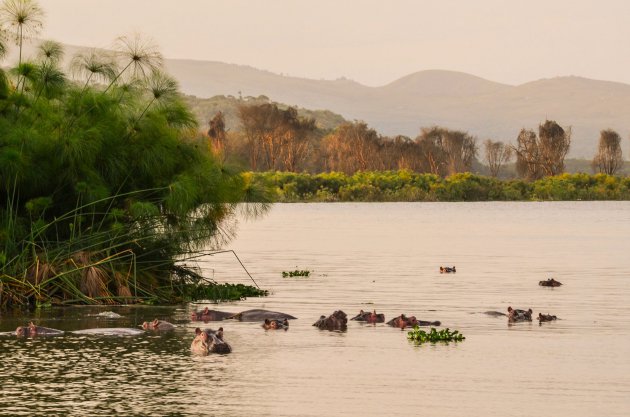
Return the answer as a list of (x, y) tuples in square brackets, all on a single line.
[(455, 100)]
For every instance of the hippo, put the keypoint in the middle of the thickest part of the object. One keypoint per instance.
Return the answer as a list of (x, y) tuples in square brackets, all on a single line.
[(447, 269), (110, 331), (336, 321), (209, 341), (403, 321), (158, 325), (33, 330), (260, 315), (276, 324), (368, 317), (546, 317), (210, 315), (550, 283), (515, 315)]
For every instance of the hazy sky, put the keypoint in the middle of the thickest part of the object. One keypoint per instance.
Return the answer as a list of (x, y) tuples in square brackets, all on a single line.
[(373, 42)]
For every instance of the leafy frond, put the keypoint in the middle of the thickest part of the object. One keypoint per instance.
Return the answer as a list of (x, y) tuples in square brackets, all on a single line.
[(93, 66), (24, 16), (139, 54), (50, 52)]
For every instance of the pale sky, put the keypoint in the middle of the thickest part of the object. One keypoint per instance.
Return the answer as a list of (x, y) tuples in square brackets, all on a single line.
[(372, 42)]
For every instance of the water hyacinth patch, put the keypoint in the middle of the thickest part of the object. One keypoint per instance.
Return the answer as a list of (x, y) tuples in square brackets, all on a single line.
[(434, 336), (296, 273)]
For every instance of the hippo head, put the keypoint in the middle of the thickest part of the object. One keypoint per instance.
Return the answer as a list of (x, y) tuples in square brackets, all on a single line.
[(21, 331), (146, 325)]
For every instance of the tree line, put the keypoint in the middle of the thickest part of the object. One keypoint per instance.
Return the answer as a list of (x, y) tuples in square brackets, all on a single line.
[(271, 138)]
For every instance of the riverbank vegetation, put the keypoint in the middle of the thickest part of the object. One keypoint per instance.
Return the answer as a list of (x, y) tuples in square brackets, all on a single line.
[(407, 185), (106, 184)]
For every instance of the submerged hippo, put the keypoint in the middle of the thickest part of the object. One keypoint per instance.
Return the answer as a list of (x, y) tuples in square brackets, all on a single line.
[(210, 315), (515, 315), (276, 324), (550, 283), (495, 313), (108, 315), (369, 317), (546, 317), (260, 315), (33, 330), (403, 321), (110, 331), (447, 269), (158, 325), (209, 341), (336, 321)]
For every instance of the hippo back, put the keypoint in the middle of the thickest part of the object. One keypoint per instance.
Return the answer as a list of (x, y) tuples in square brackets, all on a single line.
[(260, 315)]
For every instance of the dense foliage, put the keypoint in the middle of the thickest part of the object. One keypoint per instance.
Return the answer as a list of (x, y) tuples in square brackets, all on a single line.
[(410, 186), (104, 180), (434, 336)]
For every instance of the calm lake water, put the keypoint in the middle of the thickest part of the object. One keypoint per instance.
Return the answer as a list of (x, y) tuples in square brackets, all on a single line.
[(367, 256)]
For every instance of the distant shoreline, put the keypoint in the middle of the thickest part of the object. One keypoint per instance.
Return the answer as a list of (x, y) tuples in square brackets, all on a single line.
[(407, 186)]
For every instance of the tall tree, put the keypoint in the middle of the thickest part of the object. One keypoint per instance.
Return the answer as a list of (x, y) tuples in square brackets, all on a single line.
[(554, 143), (217, 133), (295, 134), (527, 155), (609, 157), (538, 156), (446, 152), (497, 154), (352, 147)]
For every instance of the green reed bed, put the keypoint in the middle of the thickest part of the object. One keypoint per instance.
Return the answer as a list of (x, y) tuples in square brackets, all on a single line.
[(105, 184)]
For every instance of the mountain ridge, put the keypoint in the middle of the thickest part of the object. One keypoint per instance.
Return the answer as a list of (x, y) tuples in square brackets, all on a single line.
[(457, 100)]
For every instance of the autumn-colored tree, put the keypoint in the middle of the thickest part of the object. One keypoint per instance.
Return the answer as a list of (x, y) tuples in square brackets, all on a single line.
[(554, 143), (527, 155), (295, 134), (609, 157), (276, 138), (543, 155), (352, 147), (446, 152), (400, 152), (217, 133)]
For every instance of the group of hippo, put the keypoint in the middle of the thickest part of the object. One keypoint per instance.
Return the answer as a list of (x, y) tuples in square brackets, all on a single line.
[(211, 341), (515, 315), (338, 320), (518, 315)]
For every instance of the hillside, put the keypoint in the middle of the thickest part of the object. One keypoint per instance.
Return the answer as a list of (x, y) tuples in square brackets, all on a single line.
[(205, 108), (455, 100)]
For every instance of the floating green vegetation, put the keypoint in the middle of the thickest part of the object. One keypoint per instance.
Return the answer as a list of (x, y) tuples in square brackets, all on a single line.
[(222, 292), (434, 336), (296, 273)]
